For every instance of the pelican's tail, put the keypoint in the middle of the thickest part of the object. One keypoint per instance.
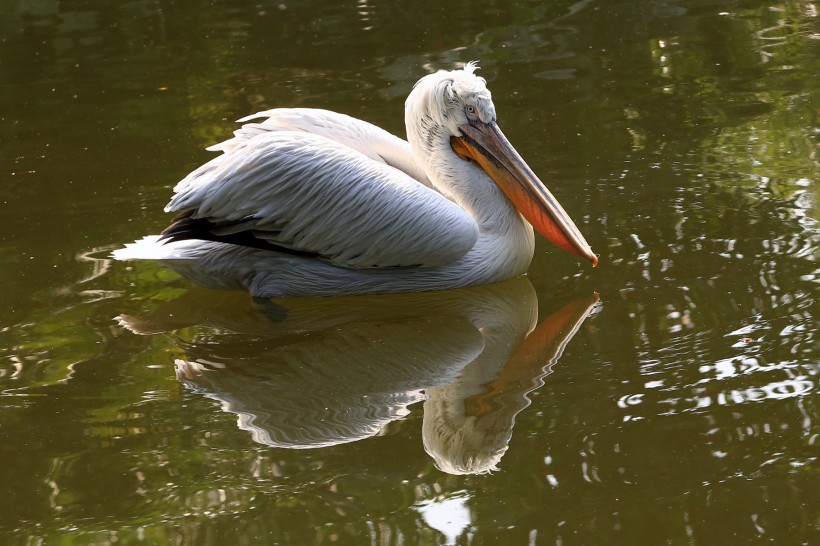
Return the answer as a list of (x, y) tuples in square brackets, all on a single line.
[(154, 247), (207, 263)]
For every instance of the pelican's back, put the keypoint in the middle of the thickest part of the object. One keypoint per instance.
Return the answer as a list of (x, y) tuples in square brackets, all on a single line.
[(366, 138)]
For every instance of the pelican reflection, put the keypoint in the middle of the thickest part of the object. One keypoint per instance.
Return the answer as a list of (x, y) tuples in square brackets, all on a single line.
[(337, 370)]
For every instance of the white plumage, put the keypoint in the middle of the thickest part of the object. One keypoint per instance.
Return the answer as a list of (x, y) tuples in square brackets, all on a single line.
[(313, 202)]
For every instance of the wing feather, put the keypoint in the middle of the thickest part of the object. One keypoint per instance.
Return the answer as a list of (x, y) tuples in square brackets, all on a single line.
[(313, 194), (369, 139)]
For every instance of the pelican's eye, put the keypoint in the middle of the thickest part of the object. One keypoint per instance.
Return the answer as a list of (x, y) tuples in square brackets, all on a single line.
[(471, 111)]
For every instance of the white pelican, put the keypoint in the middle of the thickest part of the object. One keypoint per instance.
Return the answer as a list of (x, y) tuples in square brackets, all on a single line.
[(328, 205)]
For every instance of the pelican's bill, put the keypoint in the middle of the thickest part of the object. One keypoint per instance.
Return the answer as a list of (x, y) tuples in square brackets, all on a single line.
[(485, 144)]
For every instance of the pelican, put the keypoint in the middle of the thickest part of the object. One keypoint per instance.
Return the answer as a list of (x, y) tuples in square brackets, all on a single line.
[(319, 203)]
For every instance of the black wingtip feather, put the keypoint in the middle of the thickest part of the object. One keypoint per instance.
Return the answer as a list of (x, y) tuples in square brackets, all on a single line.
[(185, 227)]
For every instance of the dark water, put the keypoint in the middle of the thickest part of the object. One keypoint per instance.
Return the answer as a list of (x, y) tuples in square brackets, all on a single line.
[(681, 408)]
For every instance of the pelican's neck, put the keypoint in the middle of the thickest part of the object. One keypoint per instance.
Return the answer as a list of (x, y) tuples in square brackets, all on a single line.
[(461, 181), (465, 183)]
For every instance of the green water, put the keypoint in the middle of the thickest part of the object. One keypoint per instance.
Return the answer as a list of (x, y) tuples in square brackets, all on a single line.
[(681, 408)]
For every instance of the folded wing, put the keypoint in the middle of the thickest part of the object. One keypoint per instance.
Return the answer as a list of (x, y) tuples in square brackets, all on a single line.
[(317, 196)]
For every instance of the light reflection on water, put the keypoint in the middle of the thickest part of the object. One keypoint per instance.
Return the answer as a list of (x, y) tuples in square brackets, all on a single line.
[(682, 133)]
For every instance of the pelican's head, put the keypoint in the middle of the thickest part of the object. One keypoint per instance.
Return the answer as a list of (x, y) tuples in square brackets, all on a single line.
[(445, 99), (450, 117)]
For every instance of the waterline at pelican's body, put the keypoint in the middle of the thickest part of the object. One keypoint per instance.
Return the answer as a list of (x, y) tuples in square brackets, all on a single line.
[(311, 202)]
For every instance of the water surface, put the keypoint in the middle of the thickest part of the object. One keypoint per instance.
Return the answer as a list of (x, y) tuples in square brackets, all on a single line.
[(680, 408)]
